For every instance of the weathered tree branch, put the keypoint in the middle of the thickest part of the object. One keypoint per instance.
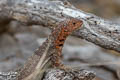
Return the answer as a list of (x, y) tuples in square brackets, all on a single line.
[(48, 12), (75, 74), (55, 74)]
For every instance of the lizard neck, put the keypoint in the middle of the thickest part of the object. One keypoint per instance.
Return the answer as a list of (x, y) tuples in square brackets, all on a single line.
[(59, 35)]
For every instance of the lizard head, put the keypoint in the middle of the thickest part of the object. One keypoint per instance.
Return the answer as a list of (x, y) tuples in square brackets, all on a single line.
[(72, 25), (64, 29)]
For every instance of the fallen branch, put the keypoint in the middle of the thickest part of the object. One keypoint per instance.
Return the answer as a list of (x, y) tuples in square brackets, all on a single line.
[(75, 74), (55, 74), (49, 12)]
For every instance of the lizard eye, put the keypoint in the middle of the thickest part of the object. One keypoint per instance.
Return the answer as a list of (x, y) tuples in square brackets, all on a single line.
[(74, 23)]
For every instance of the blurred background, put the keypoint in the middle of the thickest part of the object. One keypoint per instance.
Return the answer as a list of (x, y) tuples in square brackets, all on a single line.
[(18, 42)]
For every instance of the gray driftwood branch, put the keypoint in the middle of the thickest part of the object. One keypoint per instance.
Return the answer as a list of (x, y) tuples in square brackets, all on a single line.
[(49, 12), (55, 74)]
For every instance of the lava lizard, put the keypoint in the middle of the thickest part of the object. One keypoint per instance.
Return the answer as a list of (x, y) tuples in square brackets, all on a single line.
[(50, 50)]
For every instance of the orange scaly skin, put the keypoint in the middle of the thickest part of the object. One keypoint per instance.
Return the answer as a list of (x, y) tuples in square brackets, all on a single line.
[(60, 34), (55, 42)]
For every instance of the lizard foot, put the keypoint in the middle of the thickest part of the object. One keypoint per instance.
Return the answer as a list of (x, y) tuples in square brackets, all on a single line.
[(63, 67)]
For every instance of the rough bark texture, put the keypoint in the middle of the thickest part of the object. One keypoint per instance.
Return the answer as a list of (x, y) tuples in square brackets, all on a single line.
[(49, 12), (74, 74), (56, 74)]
